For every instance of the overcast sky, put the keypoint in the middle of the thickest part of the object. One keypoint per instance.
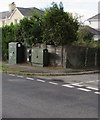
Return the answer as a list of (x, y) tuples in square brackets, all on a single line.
[(85, 8)]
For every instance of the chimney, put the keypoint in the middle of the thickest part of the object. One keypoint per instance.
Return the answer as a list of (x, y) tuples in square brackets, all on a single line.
[(12, 6)]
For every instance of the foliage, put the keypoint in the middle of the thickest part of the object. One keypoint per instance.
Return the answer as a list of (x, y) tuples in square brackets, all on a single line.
[(29, 30), (8, 35), (85, 38), (59, 27), (88, 44), (84, 34)]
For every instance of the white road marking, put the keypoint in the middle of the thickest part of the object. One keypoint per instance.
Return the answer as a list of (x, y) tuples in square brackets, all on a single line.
[(20, 76), (40, 80), (68, 86), (97, 80), (76, 84), (53, 83), (29, 78), (14, 80), (11, 74), (92, 88), (97, 93), (83, 89), (90, 81)]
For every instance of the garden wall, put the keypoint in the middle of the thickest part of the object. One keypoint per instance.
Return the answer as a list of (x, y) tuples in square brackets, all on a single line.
[(73, 56)]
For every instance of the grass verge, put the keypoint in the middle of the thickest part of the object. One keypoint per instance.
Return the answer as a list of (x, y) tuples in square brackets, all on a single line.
[(6, 68)]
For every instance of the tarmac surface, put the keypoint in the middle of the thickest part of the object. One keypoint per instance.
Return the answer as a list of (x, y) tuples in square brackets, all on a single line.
[(34, 97)]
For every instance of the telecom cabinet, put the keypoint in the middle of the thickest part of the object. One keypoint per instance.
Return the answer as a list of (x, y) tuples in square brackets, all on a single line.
[(16, 52), (39, 57)]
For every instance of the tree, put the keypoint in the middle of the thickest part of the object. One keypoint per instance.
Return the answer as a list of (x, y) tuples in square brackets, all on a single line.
[(36, 29), (59, 27), (29, 30), (23, 32)]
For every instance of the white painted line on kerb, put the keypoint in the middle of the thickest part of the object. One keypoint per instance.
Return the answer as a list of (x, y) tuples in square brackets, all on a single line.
[(97, 93), (11, 74), (28, 78), (92, 88), (68, 86), (40, 80), (20, 76), (83, 89), (53, 83)]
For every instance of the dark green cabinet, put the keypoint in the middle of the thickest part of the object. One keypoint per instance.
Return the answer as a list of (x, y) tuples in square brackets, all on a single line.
[(16, 52), (39, 57)]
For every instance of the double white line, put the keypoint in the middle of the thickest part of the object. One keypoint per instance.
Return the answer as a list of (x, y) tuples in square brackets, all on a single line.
[(92, 88), (83, 89)]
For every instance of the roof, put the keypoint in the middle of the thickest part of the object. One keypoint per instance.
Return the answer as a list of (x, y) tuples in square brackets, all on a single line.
[(5, 14), (29, 11), (92, 30), (96, 17), (24, 11)]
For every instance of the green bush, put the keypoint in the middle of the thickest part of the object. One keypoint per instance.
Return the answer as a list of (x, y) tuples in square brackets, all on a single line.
[(8, 35)]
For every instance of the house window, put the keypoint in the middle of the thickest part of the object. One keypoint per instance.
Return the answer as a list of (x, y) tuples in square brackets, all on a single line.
[(16, 21)]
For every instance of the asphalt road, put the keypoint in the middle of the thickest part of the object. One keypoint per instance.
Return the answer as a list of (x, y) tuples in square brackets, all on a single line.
[(35, 97)]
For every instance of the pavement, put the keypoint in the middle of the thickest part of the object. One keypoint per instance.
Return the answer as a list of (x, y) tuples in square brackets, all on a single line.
[(28, 69)]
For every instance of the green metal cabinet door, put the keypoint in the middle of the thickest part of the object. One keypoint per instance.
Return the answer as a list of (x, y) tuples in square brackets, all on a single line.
[(39, 56), (35, 56), (16, 53), (12, 53)]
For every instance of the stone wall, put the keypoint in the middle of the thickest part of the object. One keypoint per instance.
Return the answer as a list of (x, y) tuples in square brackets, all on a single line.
[(72, 56)]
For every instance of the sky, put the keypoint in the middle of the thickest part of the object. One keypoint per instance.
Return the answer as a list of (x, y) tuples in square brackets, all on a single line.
[(84, 8)]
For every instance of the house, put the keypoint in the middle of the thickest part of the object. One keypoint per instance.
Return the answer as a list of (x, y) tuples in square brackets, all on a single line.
[(15, 14), (94, 23), (95, 32)]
